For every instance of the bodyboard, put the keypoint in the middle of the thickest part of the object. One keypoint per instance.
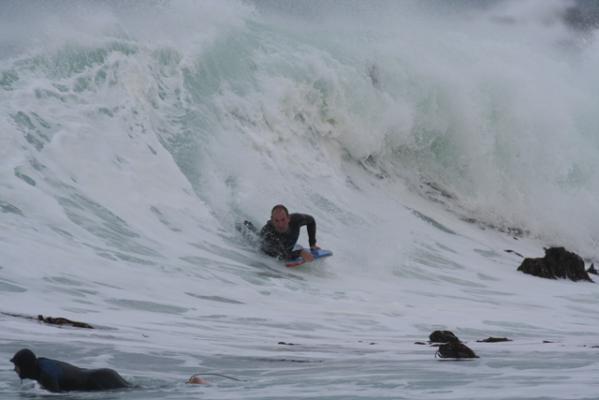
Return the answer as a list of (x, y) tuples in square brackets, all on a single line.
[(317, 253)]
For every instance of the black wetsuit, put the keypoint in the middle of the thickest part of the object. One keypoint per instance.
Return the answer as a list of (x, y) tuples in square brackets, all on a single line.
[(281, 245), (58, 376)]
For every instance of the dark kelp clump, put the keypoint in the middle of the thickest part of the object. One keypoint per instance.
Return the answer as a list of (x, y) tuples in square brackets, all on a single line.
[(455, 350)]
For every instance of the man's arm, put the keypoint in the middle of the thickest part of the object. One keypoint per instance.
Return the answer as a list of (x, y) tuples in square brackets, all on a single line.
[(308, 220), (48, 382)]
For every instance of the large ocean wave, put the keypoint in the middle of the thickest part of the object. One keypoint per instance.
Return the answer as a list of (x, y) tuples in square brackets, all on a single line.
[(134, 135), (494, 106)]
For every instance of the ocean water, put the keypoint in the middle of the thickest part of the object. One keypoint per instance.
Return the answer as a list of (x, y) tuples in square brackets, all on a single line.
[(426, 138)]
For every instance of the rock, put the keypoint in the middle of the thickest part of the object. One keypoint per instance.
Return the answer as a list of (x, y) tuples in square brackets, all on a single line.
[(455, 350), (557, 263), (443, 337)]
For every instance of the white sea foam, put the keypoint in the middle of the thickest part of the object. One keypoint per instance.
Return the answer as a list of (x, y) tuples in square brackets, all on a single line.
[(134, 137)]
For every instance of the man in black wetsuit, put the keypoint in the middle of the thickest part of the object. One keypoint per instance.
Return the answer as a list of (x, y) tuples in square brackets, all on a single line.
[(281, 232), (58, 376)]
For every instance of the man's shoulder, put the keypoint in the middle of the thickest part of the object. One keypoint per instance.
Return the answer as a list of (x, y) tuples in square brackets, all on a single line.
[(50, 369), (49, 364), (267, 228), (267, 225), (42, 361), (298, 217)]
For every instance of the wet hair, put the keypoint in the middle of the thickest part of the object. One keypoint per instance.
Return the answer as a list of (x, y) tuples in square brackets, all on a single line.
[(279, 207), (26, 361)]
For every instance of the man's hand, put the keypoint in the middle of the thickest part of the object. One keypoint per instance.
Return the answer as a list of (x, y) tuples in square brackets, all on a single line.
[(307, 256)]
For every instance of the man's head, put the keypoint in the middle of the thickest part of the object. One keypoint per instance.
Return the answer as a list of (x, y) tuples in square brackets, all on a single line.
[(24, 361), (279, 216)]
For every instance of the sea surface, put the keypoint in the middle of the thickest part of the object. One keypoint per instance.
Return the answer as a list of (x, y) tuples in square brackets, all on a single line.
[(435, 143)]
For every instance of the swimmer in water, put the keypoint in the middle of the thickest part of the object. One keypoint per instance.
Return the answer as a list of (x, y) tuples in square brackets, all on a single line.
[(58, 376)]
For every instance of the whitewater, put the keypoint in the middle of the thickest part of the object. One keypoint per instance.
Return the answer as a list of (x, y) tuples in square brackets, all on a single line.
[(426, 139)]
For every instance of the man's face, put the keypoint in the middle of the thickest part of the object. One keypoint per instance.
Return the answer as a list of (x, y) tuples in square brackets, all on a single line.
[(18, 371), (280, 220)]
